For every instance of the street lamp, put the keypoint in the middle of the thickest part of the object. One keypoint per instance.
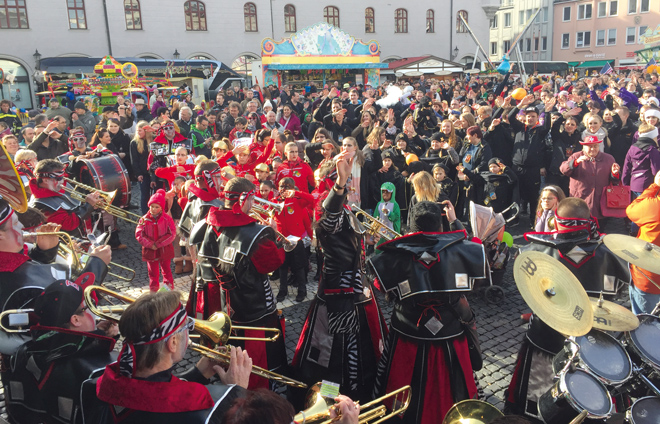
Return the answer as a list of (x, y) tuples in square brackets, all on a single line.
[(37, 58), (176, 54), (455, 53)]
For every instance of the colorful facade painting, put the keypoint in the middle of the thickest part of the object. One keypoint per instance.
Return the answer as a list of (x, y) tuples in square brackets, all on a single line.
[(320, 47)]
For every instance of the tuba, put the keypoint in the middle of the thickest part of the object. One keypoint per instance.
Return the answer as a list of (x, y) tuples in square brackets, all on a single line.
[(11, 186), (472, 411)]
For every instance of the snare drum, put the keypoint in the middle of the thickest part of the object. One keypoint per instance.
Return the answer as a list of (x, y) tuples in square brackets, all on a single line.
[(644, 341), (645, 410), (107, 173), (600, 354), (573, 392)]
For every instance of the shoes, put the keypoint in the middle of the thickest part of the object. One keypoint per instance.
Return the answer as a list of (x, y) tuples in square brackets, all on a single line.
[(525, 318), (188, 266), (178, 267), (274, 276), (301, 297), (282, 294), (120, 247)]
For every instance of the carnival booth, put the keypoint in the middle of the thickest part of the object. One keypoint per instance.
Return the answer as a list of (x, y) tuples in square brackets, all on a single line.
[(321, 54), (431, 67)]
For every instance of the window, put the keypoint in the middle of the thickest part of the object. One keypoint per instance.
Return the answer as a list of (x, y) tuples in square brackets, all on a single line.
[(521, 17), (430, 21), (544, 14), (493, 22), (369, 20), (630, 35), (460, 26), (401, 21), (583, 39), (528, 44), (600, 37), (195, 12), (611, 37), (507, 46), (614, 8), (13, 14), (567, 14), (77, 19), (602, 9), (632, 6), (536, 44), (528, 14), (507, 20), (565, 41), (331, 15), (584, 11), (493, 48), (642, 30), (644, 6), (132, 14), (544, 43), (250, 16), (290, 18)]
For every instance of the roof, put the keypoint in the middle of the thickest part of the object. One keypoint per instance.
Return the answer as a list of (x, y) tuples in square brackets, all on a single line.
[(407, 61)]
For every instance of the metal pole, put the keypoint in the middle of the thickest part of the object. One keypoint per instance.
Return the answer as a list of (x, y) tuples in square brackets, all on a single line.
[(476, 40), (521, 67), (474, 62), (107, 27), (272, 25), (451, 30)]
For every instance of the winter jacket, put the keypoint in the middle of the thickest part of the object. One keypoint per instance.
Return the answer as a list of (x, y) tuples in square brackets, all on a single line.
[(645, 212), (301, 173), (159, 231), (55, 147), (293, 125), (88, 122), (198, 139), (589, 178), (494, 190), (641, 164), (530, 149), (394, 216)]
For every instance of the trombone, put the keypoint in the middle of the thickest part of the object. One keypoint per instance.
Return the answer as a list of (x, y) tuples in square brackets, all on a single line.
[(375, 228), (318, 407), (106, 202), (217, 329), (76, 262)]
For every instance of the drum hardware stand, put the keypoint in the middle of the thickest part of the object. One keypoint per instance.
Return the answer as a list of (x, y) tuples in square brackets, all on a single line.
[(572, 347), (638, 371)]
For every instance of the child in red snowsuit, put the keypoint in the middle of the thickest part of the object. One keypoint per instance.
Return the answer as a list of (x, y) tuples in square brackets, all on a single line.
[(155, 232)]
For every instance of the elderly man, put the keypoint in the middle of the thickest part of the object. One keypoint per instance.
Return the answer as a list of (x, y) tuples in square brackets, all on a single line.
[(185, 121), (84, 118), (249, 97), (142, 111), (56, 109), (271, 122)]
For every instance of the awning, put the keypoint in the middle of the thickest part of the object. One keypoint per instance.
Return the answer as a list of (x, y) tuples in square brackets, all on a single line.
[(573, 63), (593, 64), (298, 66)]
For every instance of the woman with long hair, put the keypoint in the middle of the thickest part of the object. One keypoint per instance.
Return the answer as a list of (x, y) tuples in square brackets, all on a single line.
[(123, 143), (362, 132), (139, 154), (254, 122), (465, 121), (102, 141), (426, 189), (314, 151)]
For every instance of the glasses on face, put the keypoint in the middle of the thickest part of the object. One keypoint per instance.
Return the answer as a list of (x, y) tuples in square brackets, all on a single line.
[(78, 139), (189, 325), (82, 310), (168, 128)]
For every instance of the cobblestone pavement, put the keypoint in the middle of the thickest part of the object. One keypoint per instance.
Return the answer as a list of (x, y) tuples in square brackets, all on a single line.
[(500, 328)]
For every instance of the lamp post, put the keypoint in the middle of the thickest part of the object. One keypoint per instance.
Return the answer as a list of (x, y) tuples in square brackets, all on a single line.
[(455, 53), (37, 59), (176, 54)]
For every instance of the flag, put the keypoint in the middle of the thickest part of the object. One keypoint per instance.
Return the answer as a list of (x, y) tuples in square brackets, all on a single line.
[(651, 62), (607, 69)]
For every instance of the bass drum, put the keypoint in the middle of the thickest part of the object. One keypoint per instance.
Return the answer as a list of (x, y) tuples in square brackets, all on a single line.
[(108, 173), (645, 411)]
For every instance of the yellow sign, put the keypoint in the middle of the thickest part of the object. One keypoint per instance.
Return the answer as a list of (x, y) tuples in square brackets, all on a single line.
[(129, 70), (650, 36)]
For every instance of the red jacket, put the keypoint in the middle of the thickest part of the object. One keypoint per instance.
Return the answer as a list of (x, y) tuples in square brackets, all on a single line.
[(158, 230), (248, 168), (171, 172), (301, 173), (68, 219), (295, 217), (645, 212)]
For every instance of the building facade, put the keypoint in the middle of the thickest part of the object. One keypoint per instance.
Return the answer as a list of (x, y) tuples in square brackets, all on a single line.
[(510, 20), (610, 30), (230, 32)]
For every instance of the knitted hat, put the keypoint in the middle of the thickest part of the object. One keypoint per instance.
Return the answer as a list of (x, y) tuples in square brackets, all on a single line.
[(267, 103), (79, 105), (652, 112), (158, 198)]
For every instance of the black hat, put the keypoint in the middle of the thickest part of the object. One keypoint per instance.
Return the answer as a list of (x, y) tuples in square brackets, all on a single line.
[(400, 136), (54, 100), (387, 154), (60, 300), (108, 109), (494, 161), (438, 136), (531, 109), (79, 105), (415, 167)]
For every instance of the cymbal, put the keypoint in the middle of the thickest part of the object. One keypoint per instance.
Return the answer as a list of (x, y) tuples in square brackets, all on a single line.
[(610, 316), (553, 293), (638, 252)]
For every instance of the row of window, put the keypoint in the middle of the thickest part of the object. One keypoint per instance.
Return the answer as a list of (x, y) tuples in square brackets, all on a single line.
[(523, 17), (535, 44), (605, 9), (604, 37), (13, 14)]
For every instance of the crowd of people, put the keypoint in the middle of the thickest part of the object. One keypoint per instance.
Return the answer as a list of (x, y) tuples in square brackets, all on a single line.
[(264, 181)]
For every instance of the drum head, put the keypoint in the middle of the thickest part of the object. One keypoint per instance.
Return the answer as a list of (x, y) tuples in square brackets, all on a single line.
[(604, 356), (588, 393), (647, 338), (646, 411)]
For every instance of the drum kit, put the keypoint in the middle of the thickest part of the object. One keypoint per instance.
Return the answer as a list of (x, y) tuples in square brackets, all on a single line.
[(610, 364)]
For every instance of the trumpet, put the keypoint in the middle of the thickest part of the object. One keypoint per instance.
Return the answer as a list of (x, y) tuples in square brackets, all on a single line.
[(262, 204), (217, 329), (257, 212), (106, 202), (318, 408), (76, 262), (375, 228)]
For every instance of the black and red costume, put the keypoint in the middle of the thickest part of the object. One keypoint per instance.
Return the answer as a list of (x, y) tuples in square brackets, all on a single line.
[(46, 373), (581, 250), (59, 208), (343, 335), (236, 254), (427, 347)]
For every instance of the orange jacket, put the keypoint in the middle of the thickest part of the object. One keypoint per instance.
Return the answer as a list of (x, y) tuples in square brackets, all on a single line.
[(645, 212)]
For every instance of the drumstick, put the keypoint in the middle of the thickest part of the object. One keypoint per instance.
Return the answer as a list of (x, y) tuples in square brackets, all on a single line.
[(581, 417)]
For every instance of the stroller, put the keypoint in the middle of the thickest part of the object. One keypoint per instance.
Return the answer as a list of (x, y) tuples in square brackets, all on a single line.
[(488, 226)]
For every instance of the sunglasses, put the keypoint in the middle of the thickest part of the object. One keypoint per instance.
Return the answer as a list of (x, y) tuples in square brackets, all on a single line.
[(168, 127), (78, 139)]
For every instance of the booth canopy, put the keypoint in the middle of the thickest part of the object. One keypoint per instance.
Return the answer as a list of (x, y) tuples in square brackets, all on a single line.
[(593, 64), (425, 64)]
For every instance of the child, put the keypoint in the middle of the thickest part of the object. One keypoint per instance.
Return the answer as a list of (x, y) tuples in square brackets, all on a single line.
[(155, 232), (547, 208), (495, 186), (180, 169), (387, 210), (447, 186), (174, 197), (239, 130)]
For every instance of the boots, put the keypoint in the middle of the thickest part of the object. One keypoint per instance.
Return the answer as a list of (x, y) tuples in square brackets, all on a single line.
[(187, 266), (282, 294), (302, 285), (178, 266)]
